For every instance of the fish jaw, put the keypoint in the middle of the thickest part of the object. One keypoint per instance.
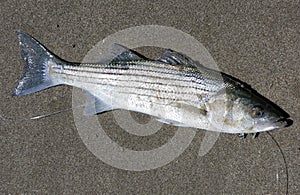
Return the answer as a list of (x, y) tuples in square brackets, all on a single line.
[(276, 123)]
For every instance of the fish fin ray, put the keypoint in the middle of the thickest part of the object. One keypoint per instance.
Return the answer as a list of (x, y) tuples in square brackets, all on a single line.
[(36, 75), (176, 58), (119, 53), (171, 122), (125, 54), (95, 105)]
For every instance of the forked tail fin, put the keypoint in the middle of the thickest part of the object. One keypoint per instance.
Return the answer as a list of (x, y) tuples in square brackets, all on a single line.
[(36, 73)]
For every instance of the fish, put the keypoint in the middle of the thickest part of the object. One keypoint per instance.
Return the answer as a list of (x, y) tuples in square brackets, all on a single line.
[(174, 88)]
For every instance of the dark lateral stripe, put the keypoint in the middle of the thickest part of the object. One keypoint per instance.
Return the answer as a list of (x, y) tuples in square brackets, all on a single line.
[(152, 66), (143, 66), (179, 77), (161, 92), (134, 70), (210, 77), (138, 81), (129, 64)]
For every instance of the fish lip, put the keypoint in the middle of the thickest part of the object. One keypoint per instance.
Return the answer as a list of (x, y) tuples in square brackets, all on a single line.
[(284, 122)]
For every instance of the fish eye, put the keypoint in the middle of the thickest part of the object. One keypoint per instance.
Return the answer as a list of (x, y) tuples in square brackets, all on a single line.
[(257, 111)]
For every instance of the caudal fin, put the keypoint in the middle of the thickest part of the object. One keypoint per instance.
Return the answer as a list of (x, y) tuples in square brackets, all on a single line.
[(37, 58)]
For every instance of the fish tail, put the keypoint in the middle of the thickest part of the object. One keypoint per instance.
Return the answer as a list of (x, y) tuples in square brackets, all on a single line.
[(36, 73)]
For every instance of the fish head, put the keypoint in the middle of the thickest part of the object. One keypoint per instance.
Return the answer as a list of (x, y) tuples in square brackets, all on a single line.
[(246, 111), (267, 117), (254, 113)]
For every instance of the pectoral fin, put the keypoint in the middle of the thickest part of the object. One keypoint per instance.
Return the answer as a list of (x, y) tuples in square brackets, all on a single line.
[(95, 105), (171, 122)]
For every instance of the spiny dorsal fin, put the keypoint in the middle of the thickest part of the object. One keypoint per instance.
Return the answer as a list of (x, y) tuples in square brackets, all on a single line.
[(124, 54), (176, 58), (119, 53)]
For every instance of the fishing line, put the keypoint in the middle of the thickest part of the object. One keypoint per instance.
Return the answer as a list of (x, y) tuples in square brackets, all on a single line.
[(285, 164), (5, 118)]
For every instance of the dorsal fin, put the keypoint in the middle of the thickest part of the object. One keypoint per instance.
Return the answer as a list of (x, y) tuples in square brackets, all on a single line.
[(124, 54), (119, 53), (176, 58)]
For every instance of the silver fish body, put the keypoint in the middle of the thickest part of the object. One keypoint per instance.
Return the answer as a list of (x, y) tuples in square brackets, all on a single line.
[(174, 88)]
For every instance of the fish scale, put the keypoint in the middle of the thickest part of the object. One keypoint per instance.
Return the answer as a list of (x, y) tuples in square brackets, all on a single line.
[(176, 79), (145, 86), (157, 85)]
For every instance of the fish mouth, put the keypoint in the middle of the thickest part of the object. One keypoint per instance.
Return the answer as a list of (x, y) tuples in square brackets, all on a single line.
[(283, 122)]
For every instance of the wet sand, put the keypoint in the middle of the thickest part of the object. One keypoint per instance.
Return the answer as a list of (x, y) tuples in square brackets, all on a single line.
[(254, 41)]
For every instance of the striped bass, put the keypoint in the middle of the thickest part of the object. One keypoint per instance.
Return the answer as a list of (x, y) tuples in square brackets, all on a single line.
[(174, 89)]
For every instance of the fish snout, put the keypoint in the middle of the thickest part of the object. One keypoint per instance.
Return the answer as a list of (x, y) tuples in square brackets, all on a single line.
[(284, 122)]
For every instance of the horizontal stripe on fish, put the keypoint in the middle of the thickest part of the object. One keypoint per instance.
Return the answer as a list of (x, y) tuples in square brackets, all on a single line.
[(188, 78), (163, 91), (150, 66), (126, 78)]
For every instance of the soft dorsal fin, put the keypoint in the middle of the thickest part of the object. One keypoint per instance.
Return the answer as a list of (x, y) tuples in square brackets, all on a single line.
[(124, 54), (175, 58)]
